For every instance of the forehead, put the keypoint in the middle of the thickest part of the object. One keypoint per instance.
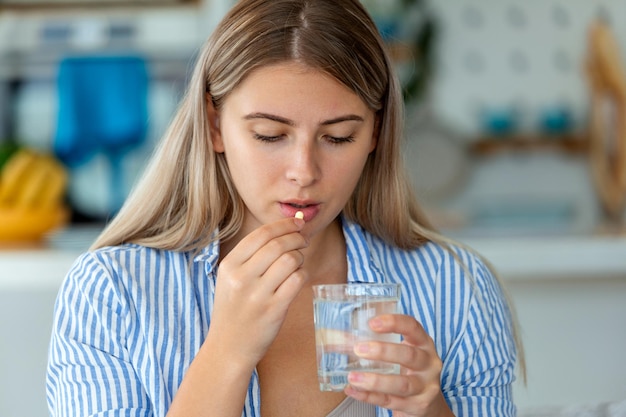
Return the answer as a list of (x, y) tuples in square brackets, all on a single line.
[(290, 86)]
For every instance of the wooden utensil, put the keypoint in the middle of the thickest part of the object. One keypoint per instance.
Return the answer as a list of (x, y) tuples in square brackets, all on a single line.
[(607, 130)]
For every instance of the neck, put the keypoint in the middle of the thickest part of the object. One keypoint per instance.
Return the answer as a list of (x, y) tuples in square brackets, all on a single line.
[(325, 258)]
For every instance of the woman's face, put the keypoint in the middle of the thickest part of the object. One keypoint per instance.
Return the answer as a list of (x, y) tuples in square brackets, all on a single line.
[(295, 139)]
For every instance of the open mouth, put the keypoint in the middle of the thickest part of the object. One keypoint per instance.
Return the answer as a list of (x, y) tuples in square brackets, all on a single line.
[(298, 206), (289, 209)]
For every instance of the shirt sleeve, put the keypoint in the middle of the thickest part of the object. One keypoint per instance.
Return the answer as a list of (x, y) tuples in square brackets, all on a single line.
[(479, 367), (89, 369)]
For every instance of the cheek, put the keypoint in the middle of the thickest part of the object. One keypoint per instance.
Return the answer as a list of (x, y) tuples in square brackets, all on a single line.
[(348, 172), (249, 168)]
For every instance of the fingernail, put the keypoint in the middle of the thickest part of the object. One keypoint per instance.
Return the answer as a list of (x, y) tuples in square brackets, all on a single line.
[(376, 323), (355, 377), (363, 348)]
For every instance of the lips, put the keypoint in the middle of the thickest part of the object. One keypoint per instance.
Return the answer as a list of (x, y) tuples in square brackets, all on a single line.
[(290, 208)]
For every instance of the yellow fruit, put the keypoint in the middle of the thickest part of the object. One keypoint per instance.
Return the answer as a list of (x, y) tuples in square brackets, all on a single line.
[(15, 175), (20, 225), (32, 180), (45, 185), (54, 192), (34, 185)]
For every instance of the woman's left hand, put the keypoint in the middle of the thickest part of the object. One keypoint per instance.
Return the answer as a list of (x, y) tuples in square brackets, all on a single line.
[(417, 390)]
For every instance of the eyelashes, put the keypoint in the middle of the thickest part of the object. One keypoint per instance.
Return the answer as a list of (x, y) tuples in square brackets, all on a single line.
[(336, 140), (264, 138), (339, 140)]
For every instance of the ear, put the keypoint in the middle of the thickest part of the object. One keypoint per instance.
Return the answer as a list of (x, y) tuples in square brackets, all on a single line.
[(214, 125)]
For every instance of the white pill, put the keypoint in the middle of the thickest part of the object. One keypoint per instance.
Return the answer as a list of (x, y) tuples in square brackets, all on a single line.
[(299, 215)]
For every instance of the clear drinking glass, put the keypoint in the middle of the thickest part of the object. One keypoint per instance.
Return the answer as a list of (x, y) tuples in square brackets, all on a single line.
[(342, 313)]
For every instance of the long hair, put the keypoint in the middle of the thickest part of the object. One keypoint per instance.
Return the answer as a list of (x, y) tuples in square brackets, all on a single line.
[(186, 192)]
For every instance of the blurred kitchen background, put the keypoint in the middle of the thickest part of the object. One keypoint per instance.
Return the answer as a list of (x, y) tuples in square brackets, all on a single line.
[(512, 145)]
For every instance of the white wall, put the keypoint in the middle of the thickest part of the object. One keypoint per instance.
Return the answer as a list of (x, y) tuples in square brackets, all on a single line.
[(25, 323), (497, 53)]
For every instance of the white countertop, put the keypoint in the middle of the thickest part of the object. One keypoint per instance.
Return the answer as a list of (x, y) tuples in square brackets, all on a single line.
[(520, 258), (43, 266), (554, 257), (34, 269)]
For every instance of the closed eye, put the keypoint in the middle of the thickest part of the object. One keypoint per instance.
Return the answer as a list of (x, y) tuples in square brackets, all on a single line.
[(335, 140), (265, 138), (338, 140)]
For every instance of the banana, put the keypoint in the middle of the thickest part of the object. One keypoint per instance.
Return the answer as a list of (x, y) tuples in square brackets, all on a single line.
[(15, 174), (29, 225), (54, 192), (32, 187), (31, 180)]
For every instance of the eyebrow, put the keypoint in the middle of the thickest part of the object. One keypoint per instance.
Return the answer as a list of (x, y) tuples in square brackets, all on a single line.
[(260, 115)]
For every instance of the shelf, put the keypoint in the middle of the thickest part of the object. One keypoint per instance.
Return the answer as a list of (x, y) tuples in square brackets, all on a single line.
[(93, 5), (571, 144)]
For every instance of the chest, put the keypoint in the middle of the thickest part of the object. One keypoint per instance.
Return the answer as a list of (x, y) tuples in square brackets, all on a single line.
[(288, 372)]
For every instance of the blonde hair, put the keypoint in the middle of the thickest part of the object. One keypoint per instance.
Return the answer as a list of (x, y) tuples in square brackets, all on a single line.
[(186, 193)]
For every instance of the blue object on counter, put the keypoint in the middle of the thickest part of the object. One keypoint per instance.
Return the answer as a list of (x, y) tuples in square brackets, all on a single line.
[(102, 108), (556, 120), (500, 121)]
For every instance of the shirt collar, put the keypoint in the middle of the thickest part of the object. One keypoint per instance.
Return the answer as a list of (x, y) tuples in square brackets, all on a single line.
[(210, 254), (361, 265)]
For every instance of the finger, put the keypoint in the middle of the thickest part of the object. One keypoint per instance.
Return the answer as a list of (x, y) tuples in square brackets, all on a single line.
[(255, 240), (278, 257), (374, 398), (254, 264), (395, 385), (279, 269), (411, 330), (290, 287), (410, 405), (411, 357)]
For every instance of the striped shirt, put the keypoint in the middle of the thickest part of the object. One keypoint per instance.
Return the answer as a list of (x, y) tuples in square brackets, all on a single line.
[(130, 319)]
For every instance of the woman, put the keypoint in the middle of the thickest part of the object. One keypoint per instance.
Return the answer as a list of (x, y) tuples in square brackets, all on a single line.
[(196, 299)]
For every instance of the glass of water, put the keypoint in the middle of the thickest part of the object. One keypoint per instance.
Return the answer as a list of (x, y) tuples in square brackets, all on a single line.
[(342, 313)]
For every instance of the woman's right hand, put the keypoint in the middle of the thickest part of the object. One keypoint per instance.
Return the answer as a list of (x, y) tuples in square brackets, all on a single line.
[(256, 283)]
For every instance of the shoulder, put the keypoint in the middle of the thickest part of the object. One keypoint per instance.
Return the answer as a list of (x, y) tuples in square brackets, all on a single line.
[(434, 260), (437, 273), (131, 258), (112, 261), (118, 272)]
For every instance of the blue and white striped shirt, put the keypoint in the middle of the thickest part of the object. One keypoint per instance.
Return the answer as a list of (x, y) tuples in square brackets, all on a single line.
[(130, 319)]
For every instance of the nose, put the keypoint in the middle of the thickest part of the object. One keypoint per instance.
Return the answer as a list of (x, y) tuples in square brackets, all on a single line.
[(303, 167)]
